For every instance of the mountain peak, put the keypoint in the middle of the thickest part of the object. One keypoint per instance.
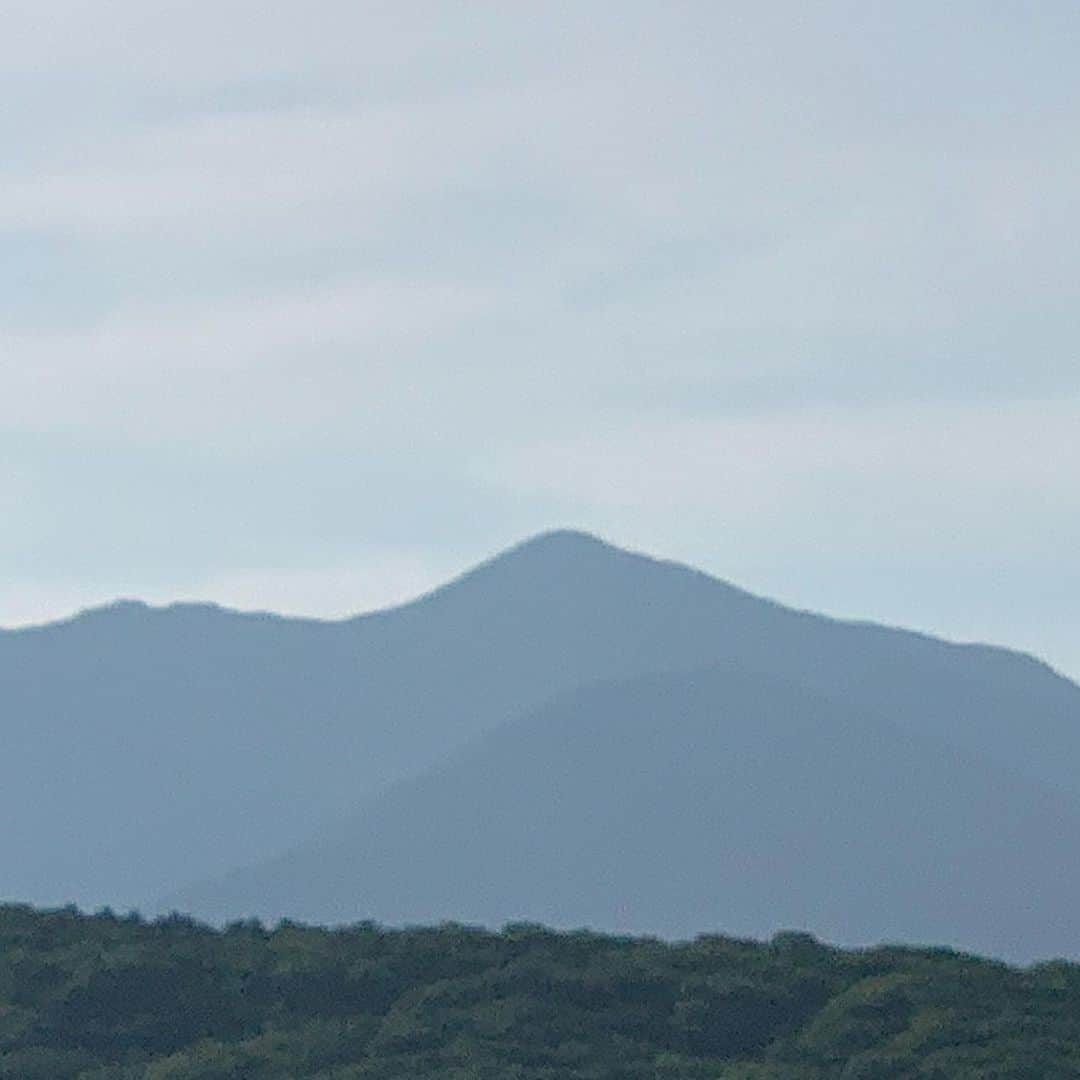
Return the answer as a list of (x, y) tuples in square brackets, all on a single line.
[(561, 540), (540, 560)]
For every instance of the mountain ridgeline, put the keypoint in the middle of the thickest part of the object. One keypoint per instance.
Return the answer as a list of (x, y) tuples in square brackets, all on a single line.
[(569, 733)]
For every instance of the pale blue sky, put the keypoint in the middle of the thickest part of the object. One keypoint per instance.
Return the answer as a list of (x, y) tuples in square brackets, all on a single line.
[(307, 309)]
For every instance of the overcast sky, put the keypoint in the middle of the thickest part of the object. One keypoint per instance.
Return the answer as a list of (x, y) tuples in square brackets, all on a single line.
[(308, 306)]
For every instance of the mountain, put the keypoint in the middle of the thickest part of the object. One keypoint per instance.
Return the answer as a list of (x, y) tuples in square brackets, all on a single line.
[(149, 748), (679, 803)]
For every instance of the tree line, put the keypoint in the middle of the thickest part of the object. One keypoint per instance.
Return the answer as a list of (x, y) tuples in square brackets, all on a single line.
[(111, 997)]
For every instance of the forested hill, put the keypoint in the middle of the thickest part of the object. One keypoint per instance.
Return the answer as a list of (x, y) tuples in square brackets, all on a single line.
[(110, 998)]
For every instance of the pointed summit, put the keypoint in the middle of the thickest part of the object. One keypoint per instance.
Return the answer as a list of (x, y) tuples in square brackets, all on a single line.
[(566, 562), (566, 539), (568, 550), (557, 546)]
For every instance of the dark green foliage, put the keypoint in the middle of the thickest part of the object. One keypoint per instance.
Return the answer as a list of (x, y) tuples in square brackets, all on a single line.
[(108, 998)]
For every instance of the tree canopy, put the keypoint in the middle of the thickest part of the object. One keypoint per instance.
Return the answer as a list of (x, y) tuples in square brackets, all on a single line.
[(107, 997)]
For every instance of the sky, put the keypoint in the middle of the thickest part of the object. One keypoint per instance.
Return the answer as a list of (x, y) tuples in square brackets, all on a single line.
[(309, 307)]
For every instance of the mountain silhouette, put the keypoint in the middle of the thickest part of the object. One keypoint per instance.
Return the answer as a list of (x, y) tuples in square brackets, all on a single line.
[(148, 748), (682, 803)]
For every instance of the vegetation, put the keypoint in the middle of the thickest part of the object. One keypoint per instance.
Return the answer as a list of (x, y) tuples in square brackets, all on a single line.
[(104, 997)]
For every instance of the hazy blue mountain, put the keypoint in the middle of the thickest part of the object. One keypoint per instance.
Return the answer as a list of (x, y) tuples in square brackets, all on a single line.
[(680, 803), (147, 748)]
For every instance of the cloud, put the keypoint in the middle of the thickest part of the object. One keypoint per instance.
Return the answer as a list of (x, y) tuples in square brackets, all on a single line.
[(246, 374)]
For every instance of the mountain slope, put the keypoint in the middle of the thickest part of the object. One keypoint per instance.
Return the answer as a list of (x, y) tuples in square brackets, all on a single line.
[(145, 748), (681, 803)]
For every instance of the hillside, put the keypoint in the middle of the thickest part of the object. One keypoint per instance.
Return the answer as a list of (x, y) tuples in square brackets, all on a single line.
[(713, 799), (102, 998), (146, 748)]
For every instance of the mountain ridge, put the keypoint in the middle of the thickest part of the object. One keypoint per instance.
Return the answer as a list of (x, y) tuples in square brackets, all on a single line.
[(687, 802), (201, 739), (561, 539)]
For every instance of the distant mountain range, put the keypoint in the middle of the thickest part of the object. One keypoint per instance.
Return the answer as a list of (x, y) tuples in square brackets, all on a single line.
[(569, 733)]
